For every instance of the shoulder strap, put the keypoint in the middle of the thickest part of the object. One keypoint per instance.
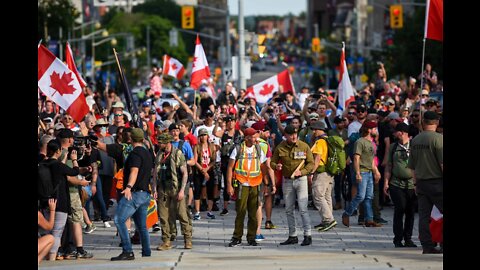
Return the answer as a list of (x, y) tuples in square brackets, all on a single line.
[(259, 151), (180, 145)]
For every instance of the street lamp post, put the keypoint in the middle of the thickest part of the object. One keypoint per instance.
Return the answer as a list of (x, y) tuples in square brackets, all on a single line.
[(104, 34)]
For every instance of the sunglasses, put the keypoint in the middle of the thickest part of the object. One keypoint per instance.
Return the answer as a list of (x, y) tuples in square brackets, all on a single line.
[(425, 95), (118, 114), (352, 113), (361, 111)]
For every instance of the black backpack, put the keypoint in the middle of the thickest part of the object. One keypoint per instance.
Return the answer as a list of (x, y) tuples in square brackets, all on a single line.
[(227, 147), (45, 182)]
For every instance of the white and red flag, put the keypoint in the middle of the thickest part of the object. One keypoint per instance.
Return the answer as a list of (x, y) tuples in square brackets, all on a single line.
[(264, 90), (200, 69), (434, 20), (71, 64), (172, 67), (436, 225), (345, 88), (60, 84)]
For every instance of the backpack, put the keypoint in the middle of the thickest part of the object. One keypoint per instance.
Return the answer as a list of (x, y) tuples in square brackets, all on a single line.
[(240, 151), (227, 148), (336, 156), (45, 182)]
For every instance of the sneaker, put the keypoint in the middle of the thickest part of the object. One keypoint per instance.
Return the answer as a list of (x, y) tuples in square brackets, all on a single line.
[(210, 215), (197, 216), (398, 244), (107, 224), (107, 218), (156, 227), (372, 224), (224, 212), (327, 226), (215, 207), (84, 255), (269, 225), (70, 255), (252, 243), (410, 243), (380, 220), (361, 222), (124, 256), (259, 237), (90, 228), (234, 242)]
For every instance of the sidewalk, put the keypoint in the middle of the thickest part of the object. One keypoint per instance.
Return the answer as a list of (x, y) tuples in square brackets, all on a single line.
[(357, 247)]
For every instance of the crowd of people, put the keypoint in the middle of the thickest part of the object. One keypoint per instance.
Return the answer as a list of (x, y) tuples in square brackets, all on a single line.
[(196, 159)]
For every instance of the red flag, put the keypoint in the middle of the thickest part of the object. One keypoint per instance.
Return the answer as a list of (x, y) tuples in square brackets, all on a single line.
[(436, 225), (434, 20), (172, 67), (345, 89), (264, 90), (200, 69), (60, 84), (71, 64)]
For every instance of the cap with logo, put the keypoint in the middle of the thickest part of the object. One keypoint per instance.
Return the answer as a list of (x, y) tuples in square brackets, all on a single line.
[(137, 135), (318, 125), (291, 129), (202, 131), (165, 138), (401, 127)]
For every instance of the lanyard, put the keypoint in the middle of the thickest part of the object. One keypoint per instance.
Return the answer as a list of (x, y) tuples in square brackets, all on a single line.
[(166, 156)]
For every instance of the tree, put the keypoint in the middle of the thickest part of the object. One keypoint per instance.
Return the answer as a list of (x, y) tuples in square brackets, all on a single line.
[(53, 14)]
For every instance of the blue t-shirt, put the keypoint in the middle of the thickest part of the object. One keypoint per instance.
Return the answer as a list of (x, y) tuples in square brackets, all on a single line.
[(186, 149)]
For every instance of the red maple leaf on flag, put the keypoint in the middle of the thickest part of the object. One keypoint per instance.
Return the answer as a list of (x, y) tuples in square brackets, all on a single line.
[(174, 66), (194, 60), (266, 89), (61, 83)]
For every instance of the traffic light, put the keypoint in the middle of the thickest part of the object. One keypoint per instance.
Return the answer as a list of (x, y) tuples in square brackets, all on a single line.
[(188, 17), (316, 45), (396, 16), (260, 41)]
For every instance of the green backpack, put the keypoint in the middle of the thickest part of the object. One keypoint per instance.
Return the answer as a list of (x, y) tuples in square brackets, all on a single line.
[(336, 156)]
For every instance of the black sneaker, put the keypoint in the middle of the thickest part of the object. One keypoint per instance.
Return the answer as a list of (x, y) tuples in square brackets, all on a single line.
[(327, 226), (398, 244), (380, 220), (410, 243), (124, 256), (307, 240), (224, 212), (215, 207), (252, 243), (84, 255), (290, 241), (156, 227), (234, 242)]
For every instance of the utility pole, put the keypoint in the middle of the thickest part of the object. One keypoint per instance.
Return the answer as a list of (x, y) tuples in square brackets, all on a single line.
[(148, 46), (241, 47), (227, 41)]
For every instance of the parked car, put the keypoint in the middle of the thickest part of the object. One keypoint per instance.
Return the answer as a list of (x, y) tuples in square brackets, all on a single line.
[(259, 65)]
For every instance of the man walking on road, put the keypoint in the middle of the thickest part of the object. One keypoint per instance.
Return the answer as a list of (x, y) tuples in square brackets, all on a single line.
[(297, 163), (426, 162)]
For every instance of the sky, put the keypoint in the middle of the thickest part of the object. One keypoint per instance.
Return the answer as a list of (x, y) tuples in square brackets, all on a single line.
[(268, 7)]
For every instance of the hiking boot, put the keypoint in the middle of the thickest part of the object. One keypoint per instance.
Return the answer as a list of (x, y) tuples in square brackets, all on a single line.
[(165, 246), (398, 244), (124, 256), (327, 226), (224, 212), (290, 241), (269, 225), (252, 243), (188, 244), (410, 243), (259, 237), (90, 228), (84, 254), (234, 242), (210, 215), (372, 224), (345, 220), (307, 240)]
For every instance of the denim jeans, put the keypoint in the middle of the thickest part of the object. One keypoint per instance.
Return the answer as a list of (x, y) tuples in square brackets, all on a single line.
[(98, 197), (296, 189), (136, 208), (365, 195)]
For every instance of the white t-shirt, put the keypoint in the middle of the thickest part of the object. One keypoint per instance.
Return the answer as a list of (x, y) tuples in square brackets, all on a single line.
[(354, 127), (250, 153), (209, 129), (301, 99)]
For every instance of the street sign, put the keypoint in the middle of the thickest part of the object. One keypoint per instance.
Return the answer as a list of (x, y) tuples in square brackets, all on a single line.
[(173, 35)]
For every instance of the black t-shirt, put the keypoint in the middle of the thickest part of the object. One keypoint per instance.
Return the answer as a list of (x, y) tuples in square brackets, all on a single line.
[(143, 160), (384, 131), (204, 105), (115, 151), (59, 177), (44, 115)]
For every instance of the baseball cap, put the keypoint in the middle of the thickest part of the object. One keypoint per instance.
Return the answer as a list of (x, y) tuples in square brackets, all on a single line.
[(370, 124), (393, 116), (165, 138), (209, 113), (391, 101), (259, 125), (425, 92), (146, 104), (101, 122), (202, 131), (249, 124), (65, 133), (202, 89), (58, 126), (118, 104), (228, 118), (137, 135), (401, 127), (314, 115), (318, 125), (339, 119), (429, 115), (173, 126), (249, 131), (291, 130)]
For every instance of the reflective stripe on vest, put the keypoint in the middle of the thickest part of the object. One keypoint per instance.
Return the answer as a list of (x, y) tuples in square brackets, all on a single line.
[(252, 176)]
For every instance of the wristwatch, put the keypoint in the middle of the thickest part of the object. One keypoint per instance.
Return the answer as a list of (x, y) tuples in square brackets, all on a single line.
[(128, 186)]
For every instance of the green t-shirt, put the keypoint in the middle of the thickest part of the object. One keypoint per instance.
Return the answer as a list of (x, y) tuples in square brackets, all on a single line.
[(426, 155), (364, 148), (401, 175)]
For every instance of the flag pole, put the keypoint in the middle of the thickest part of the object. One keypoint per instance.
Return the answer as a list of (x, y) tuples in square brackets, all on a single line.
[(39, 43), (423, 66)]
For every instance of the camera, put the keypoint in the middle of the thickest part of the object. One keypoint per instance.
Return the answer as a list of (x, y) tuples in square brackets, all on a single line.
[(79, 144), (270, 109), (317, 95), (278, 99)]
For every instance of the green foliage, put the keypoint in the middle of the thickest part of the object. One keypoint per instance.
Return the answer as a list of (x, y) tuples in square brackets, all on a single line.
[(53, 14)]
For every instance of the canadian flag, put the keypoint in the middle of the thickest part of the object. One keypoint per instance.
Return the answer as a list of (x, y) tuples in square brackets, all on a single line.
[(60, 84), (436, 225), (172, 67), (71, 64), (200, 69), (345, 89), (434, 20), (264, 90)]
